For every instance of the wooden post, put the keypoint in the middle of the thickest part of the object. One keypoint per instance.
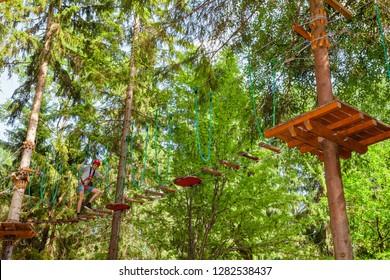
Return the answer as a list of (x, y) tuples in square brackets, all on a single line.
[(336, 201)]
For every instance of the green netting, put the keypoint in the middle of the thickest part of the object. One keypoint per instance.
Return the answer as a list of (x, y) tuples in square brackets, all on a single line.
[(210, 125)]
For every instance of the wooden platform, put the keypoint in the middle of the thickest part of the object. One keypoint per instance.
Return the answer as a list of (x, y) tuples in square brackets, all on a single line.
[(336, 121), (18, 230)]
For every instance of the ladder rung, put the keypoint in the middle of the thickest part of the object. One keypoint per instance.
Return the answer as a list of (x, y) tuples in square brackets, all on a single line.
[(269, 147), (154, 193), (231, 164), (166, 189), (243, 154), (134, 200), (144, 197), (214, 172)]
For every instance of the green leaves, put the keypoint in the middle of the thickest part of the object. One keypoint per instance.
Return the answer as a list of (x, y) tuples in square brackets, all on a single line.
[(272, 209)]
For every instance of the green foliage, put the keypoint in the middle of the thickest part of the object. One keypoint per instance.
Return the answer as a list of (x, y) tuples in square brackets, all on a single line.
[(272, 209)]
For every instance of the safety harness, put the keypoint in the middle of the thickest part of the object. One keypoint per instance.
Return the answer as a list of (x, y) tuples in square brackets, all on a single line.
[(89, 178)]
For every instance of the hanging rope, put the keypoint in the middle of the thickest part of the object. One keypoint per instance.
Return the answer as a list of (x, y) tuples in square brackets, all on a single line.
[(155, 147), (43, 182), (33, 166), (67, 191), (107, 181), (45, 178), (261, 133), (382, 39), (274, 97), (169, 148), (210, 125), (56, 182), (138, 185)]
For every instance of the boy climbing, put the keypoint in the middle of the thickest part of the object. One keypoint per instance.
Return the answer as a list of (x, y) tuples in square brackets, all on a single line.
[(86, 184)]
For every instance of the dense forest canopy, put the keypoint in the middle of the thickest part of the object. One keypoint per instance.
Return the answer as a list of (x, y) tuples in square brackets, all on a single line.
[(207, 79)]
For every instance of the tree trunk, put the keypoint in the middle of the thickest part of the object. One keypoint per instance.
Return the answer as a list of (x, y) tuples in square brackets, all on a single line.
[(218, 191), (116, 220), (29, 144), (45, 237), (191, 235), (336, 201)]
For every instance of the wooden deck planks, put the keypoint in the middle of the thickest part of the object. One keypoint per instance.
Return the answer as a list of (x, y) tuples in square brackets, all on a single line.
[(336, 121)]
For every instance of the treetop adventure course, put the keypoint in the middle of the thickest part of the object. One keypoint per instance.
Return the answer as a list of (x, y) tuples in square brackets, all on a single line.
[(332, 130)]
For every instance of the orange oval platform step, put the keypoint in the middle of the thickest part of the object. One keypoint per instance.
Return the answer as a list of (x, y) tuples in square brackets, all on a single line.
[(118, 207), (187, 181)]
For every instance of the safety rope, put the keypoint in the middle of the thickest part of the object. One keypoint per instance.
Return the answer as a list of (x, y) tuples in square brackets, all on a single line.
[(382, 39), (87, 153), (107, 180), (97, 181), (261, 133), (210, 125)]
